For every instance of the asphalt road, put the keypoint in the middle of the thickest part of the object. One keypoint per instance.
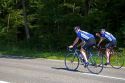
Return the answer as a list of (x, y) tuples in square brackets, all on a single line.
[(28, 70)]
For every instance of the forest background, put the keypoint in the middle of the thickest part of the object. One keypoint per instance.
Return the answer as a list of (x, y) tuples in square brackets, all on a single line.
[(47, 25)]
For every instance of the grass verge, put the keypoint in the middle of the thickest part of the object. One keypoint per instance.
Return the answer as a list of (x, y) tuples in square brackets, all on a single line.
[(14, 51), (59, 55)]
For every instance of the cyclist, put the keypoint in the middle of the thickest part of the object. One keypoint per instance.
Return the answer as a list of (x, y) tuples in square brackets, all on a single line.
[(88, 40), (104, 35)]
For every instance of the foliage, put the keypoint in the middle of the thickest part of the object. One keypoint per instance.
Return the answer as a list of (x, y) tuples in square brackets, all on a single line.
[(51, 22)]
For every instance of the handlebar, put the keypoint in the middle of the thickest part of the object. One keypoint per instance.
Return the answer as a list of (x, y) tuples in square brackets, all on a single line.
[(72, 49)]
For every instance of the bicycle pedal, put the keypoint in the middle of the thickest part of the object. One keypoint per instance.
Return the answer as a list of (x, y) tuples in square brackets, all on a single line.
[(86, 64)]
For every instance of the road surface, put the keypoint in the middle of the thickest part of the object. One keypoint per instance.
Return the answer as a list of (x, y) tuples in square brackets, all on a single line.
[(29, 70)]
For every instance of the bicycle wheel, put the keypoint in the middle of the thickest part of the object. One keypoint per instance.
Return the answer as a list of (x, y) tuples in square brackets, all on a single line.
[(95, 63), (117, 60), (71, 61)]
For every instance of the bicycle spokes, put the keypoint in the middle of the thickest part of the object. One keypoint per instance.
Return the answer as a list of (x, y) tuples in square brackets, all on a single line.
[(95, 63), (71, 61), (117, 60)]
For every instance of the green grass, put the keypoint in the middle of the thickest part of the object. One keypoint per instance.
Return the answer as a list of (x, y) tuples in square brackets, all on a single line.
[(59, 55), (33, 53)]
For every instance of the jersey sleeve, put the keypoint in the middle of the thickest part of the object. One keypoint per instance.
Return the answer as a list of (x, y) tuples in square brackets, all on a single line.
[(102, 35), (78, 34)]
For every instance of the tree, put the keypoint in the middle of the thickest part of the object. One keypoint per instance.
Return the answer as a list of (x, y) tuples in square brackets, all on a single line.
[(25, 20)]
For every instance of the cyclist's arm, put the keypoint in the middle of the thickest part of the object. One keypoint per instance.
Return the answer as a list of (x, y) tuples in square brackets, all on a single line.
[(101, 39), (74, 43)]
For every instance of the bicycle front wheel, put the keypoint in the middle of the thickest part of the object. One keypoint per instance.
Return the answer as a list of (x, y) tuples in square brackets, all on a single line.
[(71, 61), (95, 63), (117, 60)]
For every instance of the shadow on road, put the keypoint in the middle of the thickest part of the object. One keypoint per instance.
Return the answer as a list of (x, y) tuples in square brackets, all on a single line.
[(68, 70)]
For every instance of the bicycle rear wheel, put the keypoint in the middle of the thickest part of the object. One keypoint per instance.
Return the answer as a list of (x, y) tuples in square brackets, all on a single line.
[(95, 63), (71, 61), (117, 60)]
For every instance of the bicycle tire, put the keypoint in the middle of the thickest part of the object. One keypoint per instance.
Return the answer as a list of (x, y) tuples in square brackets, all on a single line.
[(117, 60), (71, 62), (95, 65)]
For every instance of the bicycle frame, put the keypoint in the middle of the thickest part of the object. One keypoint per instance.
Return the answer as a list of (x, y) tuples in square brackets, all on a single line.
[(115, 62), (77, 53), (92, 66)]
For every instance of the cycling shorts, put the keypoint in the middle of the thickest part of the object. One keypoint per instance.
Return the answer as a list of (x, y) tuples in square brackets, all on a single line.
[(111, 44), (89, 43)]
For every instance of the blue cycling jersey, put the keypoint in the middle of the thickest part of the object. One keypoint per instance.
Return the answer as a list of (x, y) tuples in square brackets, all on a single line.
[(108, 36), (84, 35)]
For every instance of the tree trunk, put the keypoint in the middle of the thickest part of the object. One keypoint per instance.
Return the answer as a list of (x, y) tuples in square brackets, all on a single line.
[(87, 7), (8, 22), (73, 7), (25, 20)]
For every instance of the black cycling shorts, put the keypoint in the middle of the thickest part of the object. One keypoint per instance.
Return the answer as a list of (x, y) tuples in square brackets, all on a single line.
[(111, 44), (89, 43)]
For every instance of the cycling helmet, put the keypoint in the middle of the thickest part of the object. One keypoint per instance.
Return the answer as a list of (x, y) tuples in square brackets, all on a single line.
[(102, 30), (76, 28)]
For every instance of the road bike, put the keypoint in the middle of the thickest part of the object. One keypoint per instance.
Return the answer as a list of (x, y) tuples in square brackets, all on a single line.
[(116, 59), (74, 58)]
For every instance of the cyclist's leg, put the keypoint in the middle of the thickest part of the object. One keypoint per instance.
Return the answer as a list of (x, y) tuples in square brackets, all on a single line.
[(108, 55), (108, 47), (87, 45), (83, 52)]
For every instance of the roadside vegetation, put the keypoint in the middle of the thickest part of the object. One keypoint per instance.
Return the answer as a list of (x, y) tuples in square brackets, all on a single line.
[(43, 28)]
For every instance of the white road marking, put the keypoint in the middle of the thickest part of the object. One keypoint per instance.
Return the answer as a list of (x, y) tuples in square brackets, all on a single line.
[(4, 82), (103, 76)]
